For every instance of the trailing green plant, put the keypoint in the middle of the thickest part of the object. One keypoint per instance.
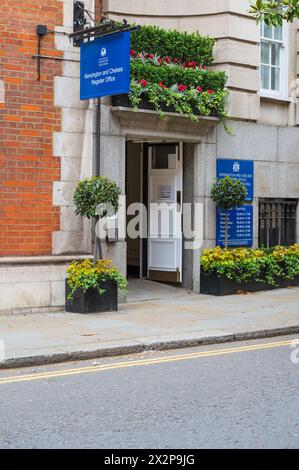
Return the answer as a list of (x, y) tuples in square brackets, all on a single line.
[(228, 193), (171, 74), (246, 265), (186, 101), (169, 69), (85, 275), (176, 44)]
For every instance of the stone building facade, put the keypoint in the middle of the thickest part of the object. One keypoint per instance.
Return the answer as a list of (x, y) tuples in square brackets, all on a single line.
[(49, 142)]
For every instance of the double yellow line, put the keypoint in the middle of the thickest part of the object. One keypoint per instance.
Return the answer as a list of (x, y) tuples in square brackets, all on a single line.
[(142, 362)]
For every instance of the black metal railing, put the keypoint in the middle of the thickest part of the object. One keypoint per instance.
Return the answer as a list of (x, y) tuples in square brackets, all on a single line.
[(277, 222)]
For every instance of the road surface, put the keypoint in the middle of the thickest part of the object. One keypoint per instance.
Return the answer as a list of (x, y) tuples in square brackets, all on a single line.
[(234, 395)]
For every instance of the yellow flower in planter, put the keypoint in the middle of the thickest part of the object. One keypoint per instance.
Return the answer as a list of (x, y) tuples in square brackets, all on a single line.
[(280, 251), (246, 264), (83, 275), (236, 254), (294, 249)]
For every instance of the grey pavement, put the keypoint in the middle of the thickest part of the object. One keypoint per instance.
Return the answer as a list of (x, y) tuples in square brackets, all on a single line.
[(246, 399), (180, 320)]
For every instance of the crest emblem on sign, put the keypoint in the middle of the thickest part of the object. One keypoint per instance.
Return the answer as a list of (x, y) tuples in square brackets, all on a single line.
[(236, 167), (103, 52)]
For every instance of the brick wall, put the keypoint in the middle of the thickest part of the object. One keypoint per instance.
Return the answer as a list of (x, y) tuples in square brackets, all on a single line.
[(28, 119)]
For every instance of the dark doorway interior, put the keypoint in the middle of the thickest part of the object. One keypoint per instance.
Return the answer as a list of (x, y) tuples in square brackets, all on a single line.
[(133, 195)]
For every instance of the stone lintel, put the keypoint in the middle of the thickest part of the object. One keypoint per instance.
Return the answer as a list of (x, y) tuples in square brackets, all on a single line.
[(147, 125)]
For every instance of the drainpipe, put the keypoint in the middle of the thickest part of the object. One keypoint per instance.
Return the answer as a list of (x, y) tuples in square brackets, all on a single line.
[(97, 171), (97, 152)]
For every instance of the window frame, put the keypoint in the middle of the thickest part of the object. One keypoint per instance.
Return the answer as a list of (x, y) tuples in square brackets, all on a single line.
[(284, 63)]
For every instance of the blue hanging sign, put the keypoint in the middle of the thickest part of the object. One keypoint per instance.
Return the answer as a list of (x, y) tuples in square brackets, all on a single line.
[(105, 66), (240, 226), (242, 170)]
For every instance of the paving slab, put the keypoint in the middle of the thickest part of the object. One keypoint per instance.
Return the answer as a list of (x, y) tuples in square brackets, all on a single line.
[(176, 321)]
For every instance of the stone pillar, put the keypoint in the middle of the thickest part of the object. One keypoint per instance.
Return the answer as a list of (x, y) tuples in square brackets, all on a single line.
[(255, 222), (188, 198), (204, 175), (113, 165), (297, 224)]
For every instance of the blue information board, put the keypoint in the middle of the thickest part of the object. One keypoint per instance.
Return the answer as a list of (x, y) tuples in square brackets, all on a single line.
[(105, 66), (240, 226), (242, 170)]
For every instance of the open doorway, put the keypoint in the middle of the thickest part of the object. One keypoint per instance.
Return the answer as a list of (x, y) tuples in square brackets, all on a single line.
[(134, 194), (154, 178)]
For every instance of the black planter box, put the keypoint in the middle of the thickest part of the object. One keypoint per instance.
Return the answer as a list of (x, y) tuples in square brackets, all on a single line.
[(211, 284), (92, 301), (123, 101)]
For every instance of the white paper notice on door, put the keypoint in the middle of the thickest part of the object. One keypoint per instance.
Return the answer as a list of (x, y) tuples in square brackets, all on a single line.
[(172, 161), (166, 193)]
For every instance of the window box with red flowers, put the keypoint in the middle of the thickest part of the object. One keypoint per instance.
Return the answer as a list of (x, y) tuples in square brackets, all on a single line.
[(169, 73)]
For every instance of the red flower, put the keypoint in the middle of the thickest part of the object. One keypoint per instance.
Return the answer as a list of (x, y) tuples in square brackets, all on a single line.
[(190, 64), (143, 82), (132, 52), (182, 87), (168, 59), (199, 89), (211, 92), (162, 85), (160, 60), (151, 56)]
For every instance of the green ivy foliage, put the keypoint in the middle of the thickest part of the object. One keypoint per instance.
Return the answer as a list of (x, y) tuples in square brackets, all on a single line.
[(93, 191), (186, 46), (228, 193), (175, 74), (185, 103)]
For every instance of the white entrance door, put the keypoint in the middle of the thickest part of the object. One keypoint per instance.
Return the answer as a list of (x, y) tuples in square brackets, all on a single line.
[(165, 212)]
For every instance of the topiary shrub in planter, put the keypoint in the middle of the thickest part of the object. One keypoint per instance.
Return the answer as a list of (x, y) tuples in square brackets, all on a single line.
[(93, 193), (228, 193), (91, 286), (227, 271)]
